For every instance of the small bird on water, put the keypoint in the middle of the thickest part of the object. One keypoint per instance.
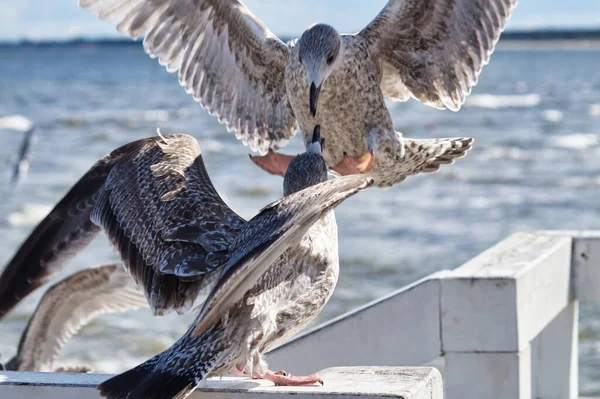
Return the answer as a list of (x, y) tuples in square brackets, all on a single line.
[(264, 89), (66, 307)]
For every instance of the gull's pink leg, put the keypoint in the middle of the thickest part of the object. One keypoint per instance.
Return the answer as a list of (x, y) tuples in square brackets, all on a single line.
[(239, 370), (289, 380), (281, 378), (273, 162), (351, 165)]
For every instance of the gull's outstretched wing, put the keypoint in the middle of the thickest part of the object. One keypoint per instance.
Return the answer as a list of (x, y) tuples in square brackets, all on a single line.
[(226, 57), (158, 206), (69, 305), (57, 238), (169, 224), (434, 50), (268, 235)]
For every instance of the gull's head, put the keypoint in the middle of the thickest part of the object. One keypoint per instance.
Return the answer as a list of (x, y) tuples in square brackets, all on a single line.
[(308, 168), (319, 51)]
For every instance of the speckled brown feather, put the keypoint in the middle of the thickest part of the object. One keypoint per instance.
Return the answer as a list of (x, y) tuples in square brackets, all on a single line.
[(58, 237), (241, 318), (226, 57), (432, 50), (435, 48), (169, 224), (266, 237), (158, 207), (66, 307)]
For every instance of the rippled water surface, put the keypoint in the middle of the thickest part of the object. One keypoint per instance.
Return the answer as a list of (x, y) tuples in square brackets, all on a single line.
[(536, 165)]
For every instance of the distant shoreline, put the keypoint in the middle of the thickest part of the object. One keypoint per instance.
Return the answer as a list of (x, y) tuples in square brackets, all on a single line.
[(543, 39), (545, 45)]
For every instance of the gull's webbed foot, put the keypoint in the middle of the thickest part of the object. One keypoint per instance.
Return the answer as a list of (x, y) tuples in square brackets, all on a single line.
[(351, 165), (282, 379), (273, 163)]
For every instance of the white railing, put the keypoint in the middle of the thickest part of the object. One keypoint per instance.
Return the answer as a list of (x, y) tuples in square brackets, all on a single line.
[(505, 325), (340, 383)]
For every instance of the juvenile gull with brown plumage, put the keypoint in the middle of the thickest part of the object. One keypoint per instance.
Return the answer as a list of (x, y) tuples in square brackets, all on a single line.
[(274, 302), (177, 238), (263, 89)]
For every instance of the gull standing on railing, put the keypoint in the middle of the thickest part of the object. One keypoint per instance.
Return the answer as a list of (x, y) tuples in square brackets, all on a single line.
[(263, 89), (177, 239), (256, 303)]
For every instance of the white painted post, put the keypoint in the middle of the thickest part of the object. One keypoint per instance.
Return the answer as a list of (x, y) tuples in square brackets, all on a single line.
[(554, 355), (488, 375), (586, 267), (501, 299), (492, 309), (340, 383), (400, 329)]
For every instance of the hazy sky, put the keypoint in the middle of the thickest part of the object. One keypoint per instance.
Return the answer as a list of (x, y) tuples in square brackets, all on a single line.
[(57, 19)]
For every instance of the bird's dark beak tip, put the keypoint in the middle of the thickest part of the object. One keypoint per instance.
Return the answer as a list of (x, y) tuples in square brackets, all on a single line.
[(316, 134), (314, 98)]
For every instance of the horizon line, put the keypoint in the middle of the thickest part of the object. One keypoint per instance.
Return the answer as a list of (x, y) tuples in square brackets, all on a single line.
[(550, 32)]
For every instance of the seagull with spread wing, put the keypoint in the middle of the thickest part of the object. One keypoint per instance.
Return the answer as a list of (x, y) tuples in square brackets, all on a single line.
[(66, 307), (264, 89), (266, 278), (259, 301)]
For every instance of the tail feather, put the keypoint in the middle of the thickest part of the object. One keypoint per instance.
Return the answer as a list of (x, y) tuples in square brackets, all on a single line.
[(162, 384), (174, 373), (436, 152), (119, 386), (425, 156)]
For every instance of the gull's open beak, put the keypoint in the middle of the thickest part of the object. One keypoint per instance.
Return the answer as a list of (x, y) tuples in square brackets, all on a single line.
[(314, 98)]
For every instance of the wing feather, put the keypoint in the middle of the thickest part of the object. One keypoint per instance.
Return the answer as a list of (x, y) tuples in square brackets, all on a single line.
[(158, 207), (69, 305), (434, 50), (268, 235), (227, 59), (428, 155), (167, 221), (57, 238)]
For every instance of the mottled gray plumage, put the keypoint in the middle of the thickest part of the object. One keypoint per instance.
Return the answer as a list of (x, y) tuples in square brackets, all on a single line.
[(176, 236), (432, 50), (156, 203), (262, 297), (66, 307)]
